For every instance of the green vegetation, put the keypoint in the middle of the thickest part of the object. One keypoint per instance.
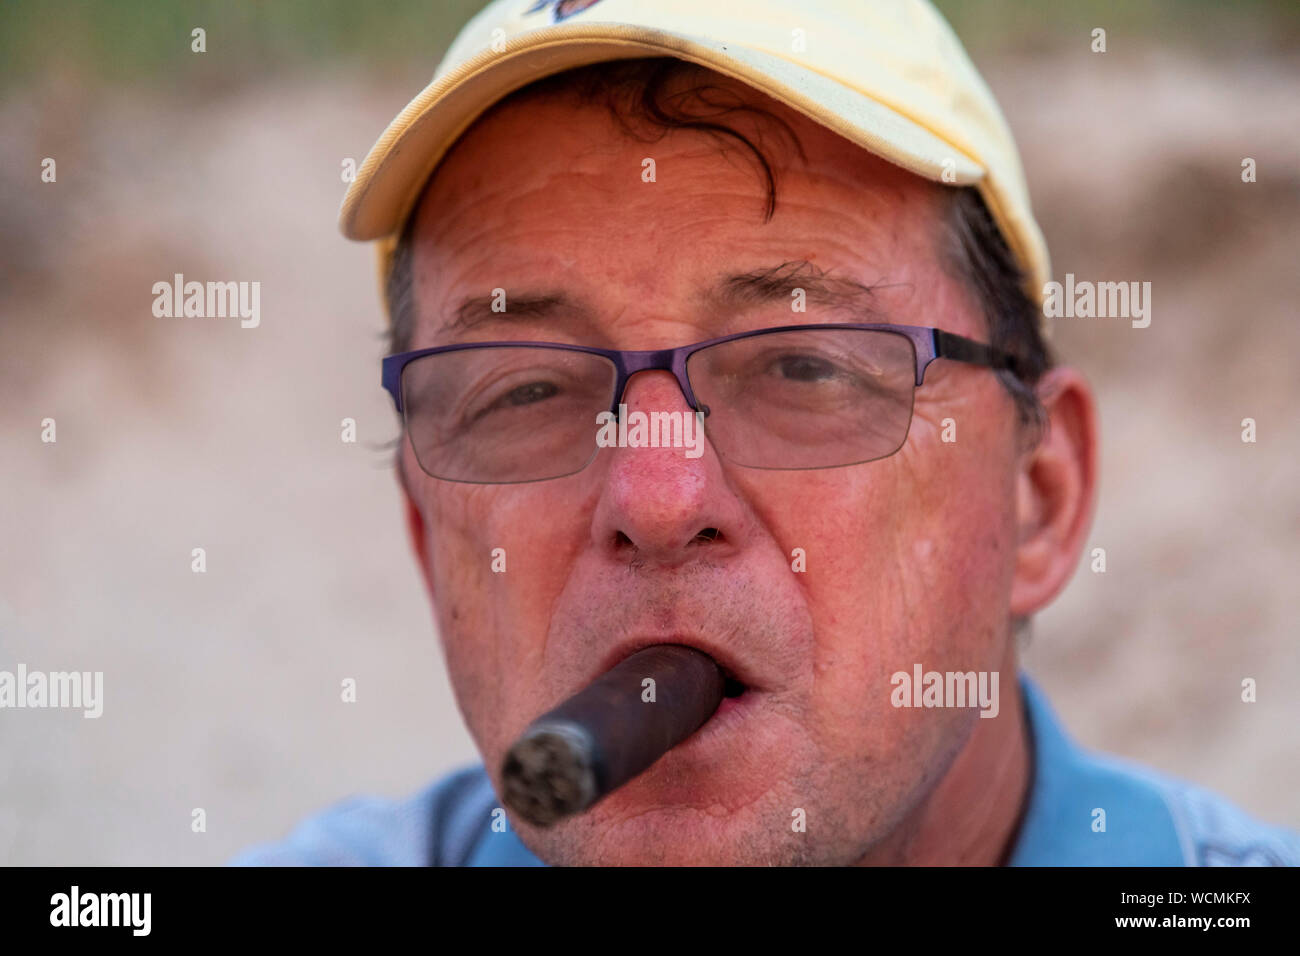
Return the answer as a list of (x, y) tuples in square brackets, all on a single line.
[(127, 41)]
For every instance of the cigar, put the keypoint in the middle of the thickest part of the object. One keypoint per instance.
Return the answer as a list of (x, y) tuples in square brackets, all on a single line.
[(605, 735)]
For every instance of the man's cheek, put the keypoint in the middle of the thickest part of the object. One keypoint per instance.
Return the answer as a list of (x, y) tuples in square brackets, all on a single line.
[(497, 573), (490, 552), (933, 571), (463, 561), (469, 578)]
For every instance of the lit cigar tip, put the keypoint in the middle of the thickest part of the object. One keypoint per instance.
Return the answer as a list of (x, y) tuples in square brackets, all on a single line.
[(549, 774)]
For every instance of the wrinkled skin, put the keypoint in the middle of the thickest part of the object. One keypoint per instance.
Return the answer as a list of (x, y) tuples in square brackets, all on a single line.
[(924, 557)]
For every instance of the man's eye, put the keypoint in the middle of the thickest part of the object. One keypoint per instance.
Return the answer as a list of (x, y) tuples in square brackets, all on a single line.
[(805, 368), (516, 397), (527, 394)]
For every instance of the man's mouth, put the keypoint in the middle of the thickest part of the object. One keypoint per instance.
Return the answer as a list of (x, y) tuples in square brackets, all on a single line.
[(741, 686), (738, 700), (739, 676), (731, 687)]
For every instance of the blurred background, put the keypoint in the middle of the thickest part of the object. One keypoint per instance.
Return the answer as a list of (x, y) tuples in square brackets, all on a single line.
[(222, 690)]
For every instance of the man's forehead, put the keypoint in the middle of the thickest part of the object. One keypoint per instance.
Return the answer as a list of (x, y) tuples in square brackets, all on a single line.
[(520, 139), (481, 211)]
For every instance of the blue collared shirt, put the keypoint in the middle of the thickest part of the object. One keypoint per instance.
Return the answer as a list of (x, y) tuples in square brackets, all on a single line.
[(1150, 819)]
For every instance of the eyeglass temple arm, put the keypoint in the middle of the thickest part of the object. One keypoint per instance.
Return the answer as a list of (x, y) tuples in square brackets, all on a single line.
[(961, 349)]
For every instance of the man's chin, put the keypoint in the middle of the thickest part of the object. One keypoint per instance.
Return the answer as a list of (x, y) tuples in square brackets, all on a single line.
[(725, 796), (667, 818), (666, 836)]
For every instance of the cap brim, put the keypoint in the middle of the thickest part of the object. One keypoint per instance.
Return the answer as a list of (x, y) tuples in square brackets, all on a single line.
[(392, 176)]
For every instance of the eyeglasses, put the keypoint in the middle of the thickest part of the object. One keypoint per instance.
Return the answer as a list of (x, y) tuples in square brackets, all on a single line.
[(788, 398)]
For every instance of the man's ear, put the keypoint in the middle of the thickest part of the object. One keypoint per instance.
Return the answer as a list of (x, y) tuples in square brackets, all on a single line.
[(416, 528), (1055, 491)]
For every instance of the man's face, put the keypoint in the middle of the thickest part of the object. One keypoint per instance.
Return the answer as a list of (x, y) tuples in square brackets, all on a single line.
[(909, 559)]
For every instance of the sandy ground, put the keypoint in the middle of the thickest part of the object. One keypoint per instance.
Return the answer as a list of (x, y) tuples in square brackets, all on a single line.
[(223, 689)]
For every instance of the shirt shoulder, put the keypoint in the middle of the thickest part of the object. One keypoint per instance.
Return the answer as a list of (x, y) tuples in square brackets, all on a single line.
[(1089, 809), (437, 826), (1221, 834)]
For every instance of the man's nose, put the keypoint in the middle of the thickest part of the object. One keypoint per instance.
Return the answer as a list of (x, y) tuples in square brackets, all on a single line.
[(662, 504)]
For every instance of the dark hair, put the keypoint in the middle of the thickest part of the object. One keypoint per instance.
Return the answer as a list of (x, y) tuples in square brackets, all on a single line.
[(652, 96)]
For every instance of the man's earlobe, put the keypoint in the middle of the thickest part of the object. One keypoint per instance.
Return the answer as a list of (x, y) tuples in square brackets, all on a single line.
[(1055, 492)]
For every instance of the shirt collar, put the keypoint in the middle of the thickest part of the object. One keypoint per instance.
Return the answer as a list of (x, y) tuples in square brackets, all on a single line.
[(1085, 809)]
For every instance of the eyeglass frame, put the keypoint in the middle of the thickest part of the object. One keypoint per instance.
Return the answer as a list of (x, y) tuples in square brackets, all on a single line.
[(928, 344)]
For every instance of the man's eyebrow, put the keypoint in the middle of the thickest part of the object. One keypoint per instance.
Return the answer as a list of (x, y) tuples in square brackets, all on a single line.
[(477, 309), (778, 283)]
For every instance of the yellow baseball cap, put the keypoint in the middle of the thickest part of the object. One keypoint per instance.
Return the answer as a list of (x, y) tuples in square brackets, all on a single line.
[(889, 75)]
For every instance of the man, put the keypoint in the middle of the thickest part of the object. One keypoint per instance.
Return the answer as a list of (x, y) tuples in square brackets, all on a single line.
[(888, 487)]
